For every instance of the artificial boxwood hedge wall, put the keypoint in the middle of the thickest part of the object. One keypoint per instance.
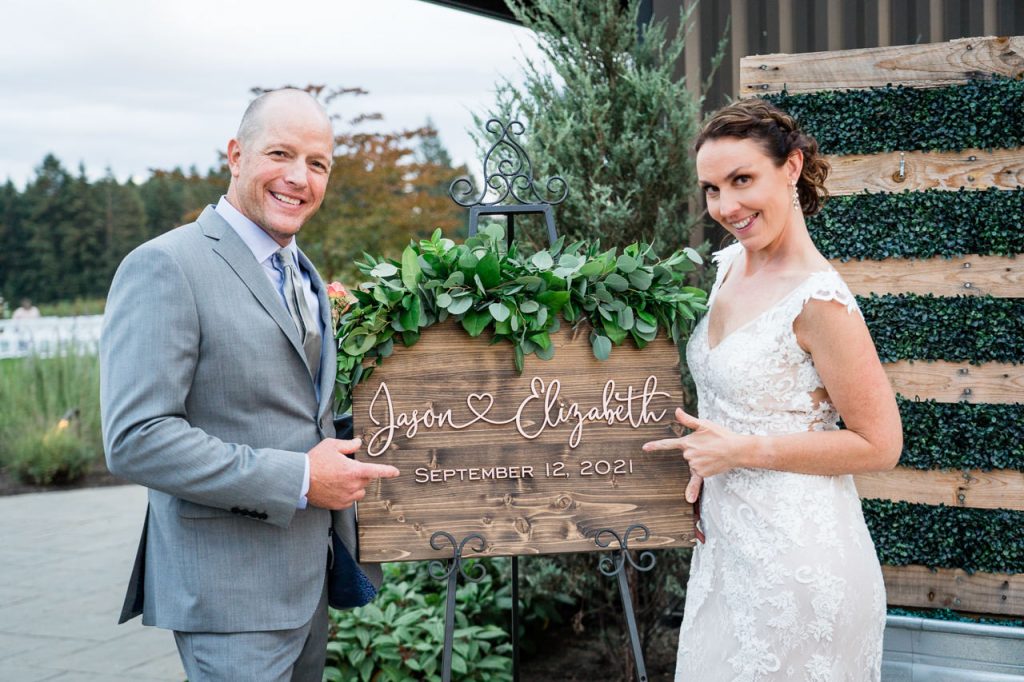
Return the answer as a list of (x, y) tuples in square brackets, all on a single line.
[(962, 435), (974, 329), (921, 224), (987, 540), (981, 114)]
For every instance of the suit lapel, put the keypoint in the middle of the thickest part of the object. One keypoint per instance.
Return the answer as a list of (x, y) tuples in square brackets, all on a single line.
[(229, 246), (327, 348)]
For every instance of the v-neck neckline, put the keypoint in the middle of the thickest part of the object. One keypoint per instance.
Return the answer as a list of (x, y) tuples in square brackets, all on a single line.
[(717, 290)]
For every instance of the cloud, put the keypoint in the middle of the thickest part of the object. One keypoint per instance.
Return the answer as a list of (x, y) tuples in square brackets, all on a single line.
[(139, 84)]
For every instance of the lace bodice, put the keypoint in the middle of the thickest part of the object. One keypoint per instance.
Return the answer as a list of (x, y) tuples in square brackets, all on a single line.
[(787, 585), (764, 380)]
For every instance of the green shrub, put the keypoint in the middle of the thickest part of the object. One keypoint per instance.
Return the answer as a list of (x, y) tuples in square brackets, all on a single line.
[(58, 455), (36, 393), (400, 635)]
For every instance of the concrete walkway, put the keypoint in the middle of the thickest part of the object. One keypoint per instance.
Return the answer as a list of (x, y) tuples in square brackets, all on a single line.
[(65, 558)]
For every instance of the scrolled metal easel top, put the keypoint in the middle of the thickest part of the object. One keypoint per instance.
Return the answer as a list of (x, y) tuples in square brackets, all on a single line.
[(508, 174)]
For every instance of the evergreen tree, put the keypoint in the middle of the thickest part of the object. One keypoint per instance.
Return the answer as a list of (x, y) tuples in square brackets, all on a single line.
[(12, 233), (37, 270), (609, 117)]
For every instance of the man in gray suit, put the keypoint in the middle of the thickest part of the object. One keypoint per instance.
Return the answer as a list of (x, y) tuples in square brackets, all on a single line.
[(217, 377)]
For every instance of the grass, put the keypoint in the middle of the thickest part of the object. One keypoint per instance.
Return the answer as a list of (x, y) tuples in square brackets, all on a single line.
[(79, 306), (50, 417)]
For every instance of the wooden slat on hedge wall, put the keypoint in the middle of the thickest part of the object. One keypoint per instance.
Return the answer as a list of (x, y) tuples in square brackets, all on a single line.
[(1000, 489), (950, 382), (970, 169), (925, 66), (922, 587), (998, 276)]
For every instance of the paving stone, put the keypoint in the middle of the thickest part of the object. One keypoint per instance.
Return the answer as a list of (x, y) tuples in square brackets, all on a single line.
[(63, 572)]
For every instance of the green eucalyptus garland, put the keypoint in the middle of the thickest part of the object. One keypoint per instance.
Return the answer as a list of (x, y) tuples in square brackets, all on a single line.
[(987, 540), (921, 224), (976, 329), (516, 298), (962, 435), (980, 114)]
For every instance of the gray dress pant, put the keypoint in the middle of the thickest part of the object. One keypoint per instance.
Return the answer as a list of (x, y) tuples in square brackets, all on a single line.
[(272, 656)]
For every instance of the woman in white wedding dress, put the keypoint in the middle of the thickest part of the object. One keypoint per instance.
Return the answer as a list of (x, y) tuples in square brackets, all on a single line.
[(786, 585)]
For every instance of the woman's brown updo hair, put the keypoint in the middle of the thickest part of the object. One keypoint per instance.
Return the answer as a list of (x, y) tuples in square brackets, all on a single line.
[(779, 136)]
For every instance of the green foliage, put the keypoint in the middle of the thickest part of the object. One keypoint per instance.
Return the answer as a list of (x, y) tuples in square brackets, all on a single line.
[(921, 224), (987, 540), (962, 435), (58, 455), (74, 307), (400, 635), (36, 394), (973, 328), (518, 299), (980, 114), (611, 117)]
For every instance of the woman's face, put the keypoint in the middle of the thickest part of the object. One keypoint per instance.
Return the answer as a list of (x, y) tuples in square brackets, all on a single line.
[(747, 193)]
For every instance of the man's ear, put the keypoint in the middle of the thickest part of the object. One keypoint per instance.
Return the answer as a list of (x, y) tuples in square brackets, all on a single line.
[(234, 155)]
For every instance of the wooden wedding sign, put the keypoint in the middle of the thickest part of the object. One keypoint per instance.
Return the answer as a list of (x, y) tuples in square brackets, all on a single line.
[(536, 462)]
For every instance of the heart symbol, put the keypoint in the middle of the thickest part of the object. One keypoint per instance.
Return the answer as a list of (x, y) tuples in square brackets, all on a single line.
[(474, 402)]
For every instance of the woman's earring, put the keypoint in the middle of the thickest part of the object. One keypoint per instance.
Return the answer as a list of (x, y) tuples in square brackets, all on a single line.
[(796, 197)]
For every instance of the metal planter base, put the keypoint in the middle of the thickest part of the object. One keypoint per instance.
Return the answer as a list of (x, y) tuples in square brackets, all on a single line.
[(925, 650)]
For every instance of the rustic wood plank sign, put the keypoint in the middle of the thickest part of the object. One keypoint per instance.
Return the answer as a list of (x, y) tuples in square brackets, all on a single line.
[(536, 463)]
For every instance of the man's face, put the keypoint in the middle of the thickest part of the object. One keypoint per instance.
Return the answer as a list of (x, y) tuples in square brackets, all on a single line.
[(279, 174)]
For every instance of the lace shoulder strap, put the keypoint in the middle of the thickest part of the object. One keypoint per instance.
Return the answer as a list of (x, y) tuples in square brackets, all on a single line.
[(825, 285), (723, 261)]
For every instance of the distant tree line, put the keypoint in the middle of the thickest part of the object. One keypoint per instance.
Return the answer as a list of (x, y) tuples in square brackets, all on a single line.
[(63, 236)]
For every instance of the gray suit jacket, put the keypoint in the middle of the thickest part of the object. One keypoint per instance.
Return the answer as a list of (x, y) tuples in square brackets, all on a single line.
[(207, 400)]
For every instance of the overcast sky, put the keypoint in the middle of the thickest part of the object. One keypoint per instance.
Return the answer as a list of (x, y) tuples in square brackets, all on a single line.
[(140, 84)]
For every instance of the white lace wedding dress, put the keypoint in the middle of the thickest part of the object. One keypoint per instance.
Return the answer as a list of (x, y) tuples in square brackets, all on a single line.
[(787, 585)]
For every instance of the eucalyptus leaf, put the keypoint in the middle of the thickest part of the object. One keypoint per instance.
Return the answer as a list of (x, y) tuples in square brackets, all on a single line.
[(444, 300), (542, 260), (499, 311), (616, 282), (601, 346), (640, 280), (384, 269), (529, 306), (460, 305), (626, 264)]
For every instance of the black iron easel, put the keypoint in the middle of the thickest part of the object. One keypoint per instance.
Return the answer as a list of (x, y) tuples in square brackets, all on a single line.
[(510, 190)]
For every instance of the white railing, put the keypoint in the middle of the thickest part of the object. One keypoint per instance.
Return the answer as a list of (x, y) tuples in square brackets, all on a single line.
[(48, 336)]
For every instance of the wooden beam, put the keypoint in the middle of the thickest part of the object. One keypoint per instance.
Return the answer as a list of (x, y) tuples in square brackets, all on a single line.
[(970, 169), (999, 489), (833, 24), (951, 382), (936, 23), (924, 66), (922, 587), (691, 49), (988, 25), (737, 38), (999, 276), (884, 23), (786, 26)]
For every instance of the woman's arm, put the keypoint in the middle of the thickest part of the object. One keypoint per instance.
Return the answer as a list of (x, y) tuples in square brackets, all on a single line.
[(846, 360)]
